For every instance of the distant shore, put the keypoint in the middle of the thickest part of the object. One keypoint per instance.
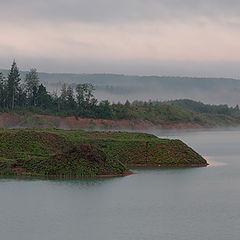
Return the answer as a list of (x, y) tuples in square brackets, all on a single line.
[(14, 120)]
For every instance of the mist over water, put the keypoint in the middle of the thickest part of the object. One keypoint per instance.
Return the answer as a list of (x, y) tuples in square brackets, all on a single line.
[(119, 88), (169, 204), (220, 97), (157, 50)]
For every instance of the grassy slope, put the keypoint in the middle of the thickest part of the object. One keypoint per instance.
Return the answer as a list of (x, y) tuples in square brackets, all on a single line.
[(138, 149), (82, 153)]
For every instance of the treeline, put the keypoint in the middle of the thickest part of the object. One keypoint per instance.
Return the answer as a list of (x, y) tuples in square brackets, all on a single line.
[(206, 108), (16, 93), (29, 95)]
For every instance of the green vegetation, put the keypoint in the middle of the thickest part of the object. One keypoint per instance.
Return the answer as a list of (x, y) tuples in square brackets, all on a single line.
[(79, 153), (29, 96), (200, 107), (161, 112)]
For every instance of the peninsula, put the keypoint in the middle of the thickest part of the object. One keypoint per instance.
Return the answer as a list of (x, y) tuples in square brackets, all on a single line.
[(79, 153)]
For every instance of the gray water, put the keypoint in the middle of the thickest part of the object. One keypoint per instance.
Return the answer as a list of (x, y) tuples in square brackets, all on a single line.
[(168, 204)]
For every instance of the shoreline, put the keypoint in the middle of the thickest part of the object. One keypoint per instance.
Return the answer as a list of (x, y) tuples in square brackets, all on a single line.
[(167, 165), (31, 120), (79, 153), (127, 173)]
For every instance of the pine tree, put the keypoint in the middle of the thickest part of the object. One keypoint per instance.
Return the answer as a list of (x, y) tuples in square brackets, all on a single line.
[(43, 99), (13, 85)]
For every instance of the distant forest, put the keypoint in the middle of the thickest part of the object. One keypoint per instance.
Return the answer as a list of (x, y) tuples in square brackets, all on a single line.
[(119, 87), (206, 108), (29, 95)]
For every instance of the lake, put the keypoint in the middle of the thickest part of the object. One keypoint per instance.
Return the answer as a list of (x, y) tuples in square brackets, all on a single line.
[(183, 203)]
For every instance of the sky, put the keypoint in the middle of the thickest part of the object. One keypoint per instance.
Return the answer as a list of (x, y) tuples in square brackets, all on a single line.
[(143, 37)]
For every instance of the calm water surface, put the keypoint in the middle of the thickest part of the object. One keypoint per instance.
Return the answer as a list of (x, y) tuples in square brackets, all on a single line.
[(168, 204)]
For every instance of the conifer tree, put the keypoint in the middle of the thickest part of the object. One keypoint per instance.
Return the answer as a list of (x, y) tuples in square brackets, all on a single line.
[(13, 85)]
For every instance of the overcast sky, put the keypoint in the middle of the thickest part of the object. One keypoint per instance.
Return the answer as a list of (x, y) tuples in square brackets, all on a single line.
[(146, 37)]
